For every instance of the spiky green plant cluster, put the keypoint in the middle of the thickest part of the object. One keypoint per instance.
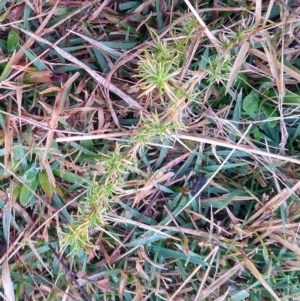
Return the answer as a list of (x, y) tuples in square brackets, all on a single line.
[(88, 217), (158, 75), (162, 69), (155, 129), (158, 72), (117, 165), (101, 195), (218, 70)]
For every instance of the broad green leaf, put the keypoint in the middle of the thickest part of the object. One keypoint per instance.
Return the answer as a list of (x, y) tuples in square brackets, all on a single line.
[(16, 189), (13, 40), (236, 114), (30, 180), (45, 184), (67, 176), (3, 16), (8, 222), (250, 103)]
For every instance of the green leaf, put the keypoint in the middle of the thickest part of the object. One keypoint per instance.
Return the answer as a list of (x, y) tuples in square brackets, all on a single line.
[(87, 144), (3, 16), (36, 62), (289, 97), (30, 181), (45, 184), (61, 11), (16, 189), (129, 5), (241, 81), (230, 197), (240, 296), (13, 166), (7, 70), (270, 112), (250, 103), (13, 40), (67, 176), (257, 134), (265, 85)]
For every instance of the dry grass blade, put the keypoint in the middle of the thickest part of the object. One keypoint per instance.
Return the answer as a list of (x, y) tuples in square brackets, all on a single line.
[(255, 272), (191, 53), (143, 6), (286, 69), (69, 17), (143, 255), (237, 64), (196, 233), (123, 283), (97, 12), (266, 17), (100, 136), (8, 140), (269, 207), (182, 136), (258, 6), (157, 178), (217, 283), (285, 243), (246, 149), (275, 202), (208, 33), (273, 63), (97, 44), (213, 224), (214, 253), (7, 283), (119, 219), (275, 70)]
